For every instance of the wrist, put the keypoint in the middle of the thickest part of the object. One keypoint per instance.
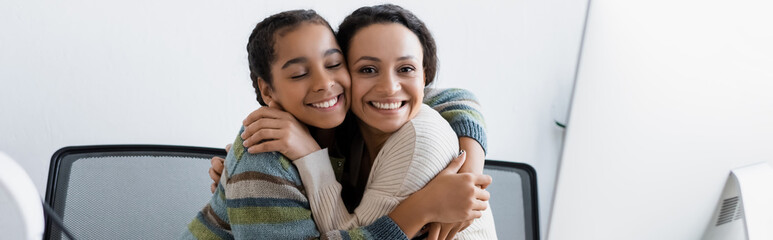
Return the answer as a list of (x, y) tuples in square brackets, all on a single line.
[(304, 152), (476, 157), (410, 215)]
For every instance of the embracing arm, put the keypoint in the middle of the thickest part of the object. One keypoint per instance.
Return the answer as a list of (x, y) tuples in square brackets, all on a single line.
[(460, 108), (411, 214), (261, 196), (408, 161), (462, 111)]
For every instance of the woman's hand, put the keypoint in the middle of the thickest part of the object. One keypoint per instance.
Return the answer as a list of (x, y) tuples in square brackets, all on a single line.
[(460, 194), (217, 168), (450, 197), (270, 129)]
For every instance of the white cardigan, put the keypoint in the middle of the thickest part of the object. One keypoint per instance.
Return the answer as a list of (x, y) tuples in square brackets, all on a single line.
[(409, 159)]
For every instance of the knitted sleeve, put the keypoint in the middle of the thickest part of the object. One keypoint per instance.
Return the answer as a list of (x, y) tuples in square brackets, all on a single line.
[(212, 221), (261, 196), (461, 109)]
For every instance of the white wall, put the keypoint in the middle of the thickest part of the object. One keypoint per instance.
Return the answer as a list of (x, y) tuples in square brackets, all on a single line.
[(175, 72), (671, 95)]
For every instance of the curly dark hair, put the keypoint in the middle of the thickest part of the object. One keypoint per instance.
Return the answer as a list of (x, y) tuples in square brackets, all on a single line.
[(389, 13), (260, 46)]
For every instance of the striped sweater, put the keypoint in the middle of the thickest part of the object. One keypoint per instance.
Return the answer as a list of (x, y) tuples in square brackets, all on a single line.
[(261, 196)]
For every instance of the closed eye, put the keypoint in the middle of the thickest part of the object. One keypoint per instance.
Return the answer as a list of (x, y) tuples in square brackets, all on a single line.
[(299, 76), (334, 66)]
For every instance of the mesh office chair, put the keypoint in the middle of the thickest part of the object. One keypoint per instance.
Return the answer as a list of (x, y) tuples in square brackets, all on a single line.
[(128, 191), (153, 191), (513, 199)]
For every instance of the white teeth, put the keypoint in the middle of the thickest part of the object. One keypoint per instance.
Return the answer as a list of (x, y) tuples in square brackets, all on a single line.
[(326, 104), (387, 106)]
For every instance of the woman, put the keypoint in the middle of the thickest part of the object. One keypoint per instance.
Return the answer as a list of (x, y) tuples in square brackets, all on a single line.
[(296, 64)]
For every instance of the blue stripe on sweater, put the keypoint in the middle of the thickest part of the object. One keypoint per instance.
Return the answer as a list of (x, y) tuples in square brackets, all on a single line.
[(265, 202), (458, 107)]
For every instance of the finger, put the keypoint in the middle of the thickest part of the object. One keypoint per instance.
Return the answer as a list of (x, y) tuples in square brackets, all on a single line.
[(465, 224), (475, 214), (444, 231), (482, 195), (253, 116), (456, 164), (275, 105), (213, 187), (479, 205), (217, 164), (268, 146), (228, 147), (263, 135), (264, 123), (214, 175), (434, 231), (483, 180), (453, 231), (254, 126), (263, 112)]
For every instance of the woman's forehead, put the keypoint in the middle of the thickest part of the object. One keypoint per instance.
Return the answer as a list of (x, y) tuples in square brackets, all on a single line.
[(387, 40)]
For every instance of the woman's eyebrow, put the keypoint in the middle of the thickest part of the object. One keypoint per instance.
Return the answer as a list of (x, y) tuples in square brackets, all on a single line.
[(332, 51), (294, 61), (375, 59), (406, 57)]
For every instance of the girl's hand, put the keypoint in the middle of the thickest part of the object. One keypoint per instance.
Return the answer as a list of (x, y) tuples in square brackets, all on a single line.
[(271, 129), (217, 169)]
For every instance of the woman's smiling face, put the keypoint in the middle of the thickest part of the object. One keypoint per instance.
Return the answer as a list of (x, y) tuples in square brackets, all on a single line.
[(385, 62), (310, 79)]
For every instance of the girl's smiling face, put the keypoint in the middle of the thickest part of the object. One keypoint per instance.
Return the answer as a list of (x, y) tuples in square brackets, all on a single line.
[(385, 62), (310, 79)]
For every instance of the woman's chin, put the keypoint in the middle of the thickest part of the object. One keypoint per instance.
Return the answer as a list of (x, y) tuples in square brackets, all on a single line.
[(327, 124), (389, 127)]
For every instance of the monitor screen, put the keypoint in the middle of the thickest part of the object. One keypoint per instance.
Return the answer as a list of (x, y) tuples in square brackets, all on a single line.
[(670, 96)]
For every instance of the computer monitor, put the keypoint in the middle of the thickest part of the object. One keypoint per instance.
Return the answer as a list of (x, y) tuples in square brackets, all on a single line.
[(669, 97), (21, 210)]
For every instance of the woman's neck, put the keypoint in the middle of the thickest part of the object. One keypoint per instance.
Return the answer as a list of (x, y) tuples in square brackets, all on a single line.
[(373, 138), (324, 137)]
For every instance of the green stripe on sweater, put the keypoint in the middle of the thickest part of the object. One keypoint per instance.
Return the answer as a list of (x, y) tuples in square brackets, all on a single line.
[(285, 163), (267, 215), (238, 147), (357, 234), (200, 231), (451, 114)]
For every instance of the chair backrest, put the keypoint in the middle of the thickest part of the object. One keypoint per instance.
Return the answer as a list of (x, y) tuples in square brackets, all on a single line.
[(513, 199), (128, 191)]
